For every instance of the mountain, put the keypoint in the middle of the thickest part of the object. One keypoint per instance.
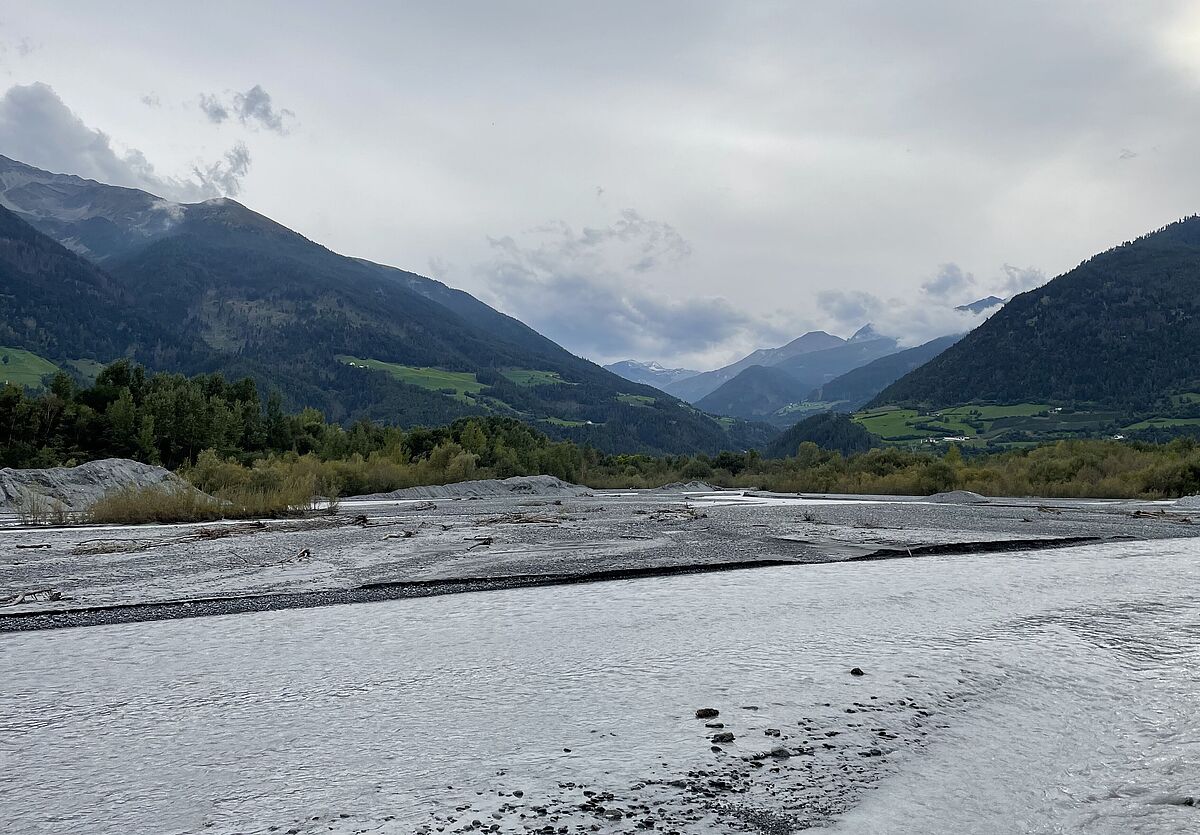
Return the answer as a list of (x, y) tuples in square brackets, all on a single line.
[(856, 387), (828, 430), (214, 286), (774, 394), (866, 333), (649, 373), (754, 394), (1122, 329), (819, 367), (980, 305), (60, 306), (94, 220), (694, 388)]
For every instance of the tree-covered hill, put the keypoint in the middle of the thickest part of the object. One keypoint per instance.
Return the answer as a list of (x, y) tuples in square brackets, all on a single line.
[(828, 430), (1122, 329), (755, 393)]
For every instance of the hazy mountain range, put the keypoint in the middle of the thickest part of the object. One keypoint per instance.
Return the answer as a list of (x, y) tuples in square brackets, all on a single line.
[(649, 373), (90, 273)]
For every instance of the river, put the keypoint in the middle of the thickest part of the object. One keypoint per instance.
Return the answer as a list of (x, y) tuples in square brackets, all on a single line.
[(1053, 691)]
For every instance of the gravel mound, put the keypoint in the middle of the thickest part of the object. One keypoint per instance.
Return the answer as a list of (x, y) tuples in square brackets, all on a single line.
[(537, 485), (1189, 502), (957, 497), (688, 487), (78, 487)]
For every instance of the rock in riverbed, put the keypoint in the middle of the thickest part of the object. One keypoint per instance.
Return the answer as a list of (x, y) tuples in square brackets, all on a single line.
[(76, 488)]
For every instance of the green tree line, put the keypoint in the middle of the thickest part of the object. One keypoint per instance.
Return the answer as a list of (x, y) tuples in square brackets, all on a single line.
[(224, 436)]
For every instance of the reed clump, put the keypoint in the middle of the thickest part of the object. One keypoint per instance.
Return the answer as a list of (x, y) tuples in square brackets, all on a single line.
[(171, 503)]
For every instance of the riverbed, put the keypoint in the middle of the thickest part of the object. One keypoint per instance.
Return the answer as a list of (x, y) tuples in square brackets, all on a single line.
[(1028, 691)]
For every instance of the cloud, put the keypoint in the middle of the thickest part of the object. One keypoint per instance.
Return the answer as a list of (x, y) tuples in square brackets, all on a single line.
[(37, 127), (1019, 279), (949, 281), (252, 108), (917, 319), (225, 176), (593, 290), (254, 105), (213, 109), (910, 320), (151, 100)]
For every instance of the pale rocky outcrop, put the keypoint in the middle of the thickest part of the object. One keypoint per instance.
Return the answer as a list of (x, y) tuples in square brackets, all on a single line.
[(75, 488)]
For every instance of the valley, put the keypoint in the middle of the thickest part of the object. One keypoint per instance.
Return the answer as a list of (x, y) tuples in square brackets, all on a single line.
[(600, 419)]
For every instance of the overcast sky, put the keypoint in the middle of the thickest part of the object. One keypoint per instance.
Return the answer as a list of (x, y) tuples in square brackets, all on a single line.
[(673, 181)]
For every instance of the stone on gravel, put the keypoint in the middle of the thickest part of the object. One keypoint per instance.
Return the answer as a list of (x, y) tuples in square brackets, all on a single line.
[(76, 488), (688, 487), (857, 671), (722, 737), (707, 713), (538, 485), (957, 497)]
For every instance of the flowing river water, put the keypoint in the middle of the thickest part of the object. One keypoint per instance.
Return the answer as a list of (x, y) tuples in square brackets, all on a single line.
[(1053, 691)]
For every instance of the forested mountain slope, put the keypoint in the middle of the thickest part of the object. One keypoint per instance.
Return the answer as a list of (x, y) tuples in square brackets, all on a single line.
[(1121, 329)]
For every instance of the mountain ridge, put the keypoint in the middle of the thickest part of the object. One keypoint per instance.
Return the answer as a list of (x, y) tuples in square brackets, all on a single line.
[(255, 298), (695, 388)]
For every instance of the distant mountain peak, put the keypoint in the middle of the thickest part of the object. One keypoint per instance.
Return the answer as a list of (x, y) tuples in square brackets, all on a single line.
[(866, 333), (980, 305), (652, 373)]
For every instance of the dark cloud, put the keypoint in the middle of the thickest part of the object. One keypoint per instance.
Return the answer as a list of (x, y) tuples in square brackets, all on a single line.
[(252, 108), (37, 127), (592, 290)]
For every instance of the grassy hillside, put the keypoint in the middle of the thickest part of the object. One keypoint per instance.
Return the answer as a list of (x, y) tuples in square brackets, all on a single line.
[(22, 368), (1024, 424)]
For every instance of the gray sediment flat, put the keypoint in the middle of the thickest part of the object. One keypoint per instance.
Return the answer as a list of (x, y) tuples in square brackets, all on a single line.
[(375, 549)]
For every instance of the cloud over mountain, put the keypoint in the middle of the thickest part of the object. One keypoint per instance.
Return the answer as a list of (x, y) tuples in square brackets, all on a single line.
[(38, 128)]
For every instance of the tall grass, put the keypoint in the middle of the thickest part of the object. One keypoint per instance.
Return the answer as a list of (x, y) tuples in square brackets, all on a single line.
[(168, 503), (37, 509)]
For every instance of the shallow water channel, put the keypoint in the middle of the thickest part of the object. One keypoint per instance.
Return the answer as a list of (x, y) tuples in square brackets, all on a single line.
[(1052, 691)]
